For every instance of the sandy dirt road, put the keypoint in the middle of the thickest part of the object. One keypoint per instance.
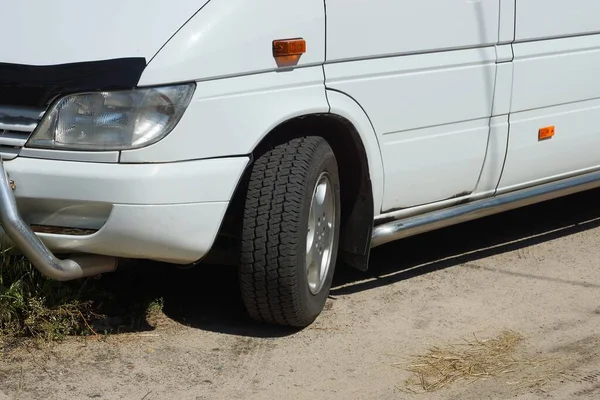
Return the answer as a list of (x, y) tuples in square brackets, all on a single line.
[(535, 271)]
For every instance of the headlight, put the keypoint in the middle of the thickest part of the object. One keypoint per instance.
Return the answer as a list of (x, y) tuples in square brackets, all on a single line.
[(118, 120)]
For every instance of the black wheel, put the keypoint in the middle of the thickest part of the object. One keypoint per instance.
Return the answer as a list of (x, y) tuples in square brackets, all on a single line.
[(290, 232)]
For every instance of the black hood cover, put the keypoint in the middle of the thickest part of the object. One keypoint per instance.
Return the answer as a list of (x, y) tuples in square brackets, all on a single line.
[(37, 86)]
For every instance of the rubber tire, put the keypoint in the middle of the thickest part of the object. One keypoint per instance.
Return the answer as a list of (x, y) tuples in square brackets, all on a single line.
[(272, 273)]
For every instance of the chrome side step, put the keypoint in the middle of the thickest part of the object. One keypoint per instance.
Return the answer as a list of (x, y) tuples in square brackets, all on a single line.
[(399, 229)]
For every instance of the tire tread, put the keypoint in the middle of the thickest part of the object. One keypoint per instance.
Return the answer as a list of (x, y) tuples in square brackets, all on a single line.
[(268, 274)]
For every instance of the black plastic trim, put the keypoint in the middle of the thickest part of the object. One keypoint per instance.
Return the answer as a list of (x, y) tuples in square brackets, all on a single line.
[(39, 85)]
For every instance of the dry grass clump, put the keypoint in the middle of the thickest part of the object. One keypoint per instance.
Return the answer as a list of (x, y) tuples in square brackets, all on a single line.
[(475, 360), (34, 306)]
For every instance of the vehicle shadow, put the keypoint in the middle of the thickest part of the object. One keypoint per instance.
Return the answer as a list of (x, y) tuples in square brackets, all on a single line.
[(472, 241), (204, 297), (207, 297)]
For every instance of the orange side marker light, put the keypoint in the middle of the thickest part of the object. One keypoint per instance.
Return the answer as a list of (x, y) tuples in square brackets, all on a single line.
[(287, 52), (546, 133)]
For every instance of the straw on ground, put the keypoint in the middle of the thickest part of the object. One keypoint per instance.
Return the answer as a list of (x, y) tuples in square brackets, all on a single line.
[(501, 357)]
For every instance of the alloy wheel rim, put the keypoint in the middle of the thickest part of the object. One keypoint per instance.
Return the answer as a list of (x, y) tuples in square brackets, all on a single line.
[(320, 233)]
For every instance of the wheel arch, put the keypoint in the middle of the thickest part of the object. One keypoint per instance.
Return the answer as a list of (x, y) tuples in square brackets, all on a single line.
[(355, 177), (349, 132), (358, 195)]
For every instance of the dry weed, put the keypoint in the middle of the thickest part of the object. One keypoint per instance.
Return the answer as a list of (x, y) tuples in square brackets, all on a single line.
[(500, 358)]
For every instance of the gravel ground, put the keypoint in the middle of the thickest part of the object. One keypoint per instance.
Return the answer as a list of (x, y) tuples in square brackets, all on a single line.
[(535, 271)]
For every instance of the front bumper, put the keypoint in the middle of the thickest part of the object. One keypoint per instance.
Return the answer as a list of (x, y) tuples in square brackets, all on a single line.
[(167, 212)]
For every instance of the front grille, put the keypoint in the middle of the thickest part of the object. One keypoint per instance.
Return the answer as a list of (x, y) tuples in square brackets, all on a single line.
[(16, 125)]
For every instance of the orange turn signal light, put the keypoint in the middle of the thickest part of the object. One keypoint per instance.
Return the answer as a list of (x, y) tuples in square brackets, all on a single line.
[(287, 52), (289, 47), (546, 133)]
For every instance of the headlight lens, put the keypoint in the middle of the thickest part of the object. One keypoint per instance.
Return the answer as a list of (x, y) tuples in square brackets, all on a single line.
[(118, 120)]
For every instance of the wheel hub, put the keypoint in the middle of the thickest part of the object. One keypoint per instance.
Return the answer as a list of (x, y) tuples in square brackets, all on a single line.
[(320, 234)]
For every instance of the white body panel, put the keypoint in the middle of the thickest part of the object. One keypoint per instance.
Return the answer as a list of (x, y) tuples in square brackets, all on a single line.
[(168, 212), (178, 234), (503, 93), (233, 37), (230, 116), (555, 84), (432, 164), (128, 184), (573, 149), (494, 159), (344, 106), (411, 92), (65, 31), (431, 112), (539, 19), (555, 72), (395, 27), (507, 21)]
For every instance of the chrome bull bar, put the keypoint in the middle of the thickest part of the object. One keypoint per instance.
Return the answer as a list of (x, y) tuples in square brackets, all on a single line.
[(23, 237)]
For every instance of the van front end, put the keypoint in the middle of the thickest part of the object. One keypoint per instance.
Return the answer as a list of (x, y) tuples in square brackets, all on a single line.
[(65, 189), (162, 130), (72, 106)]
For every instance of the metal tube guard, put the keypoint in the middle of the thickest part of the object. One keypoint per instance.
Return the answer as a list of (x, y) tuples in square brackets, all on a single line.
[(35, 250)]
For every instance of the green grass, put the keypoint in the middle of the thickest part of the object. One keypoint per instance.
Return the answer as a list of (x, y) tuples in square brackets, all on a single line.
[(33, 306)]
